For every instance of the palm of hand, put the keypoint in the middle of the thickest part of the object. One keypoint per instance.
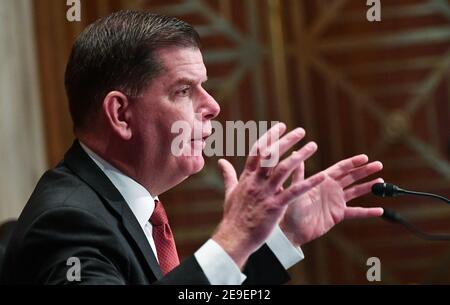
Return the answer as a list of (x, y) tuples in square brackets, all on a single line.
[(316, 212)]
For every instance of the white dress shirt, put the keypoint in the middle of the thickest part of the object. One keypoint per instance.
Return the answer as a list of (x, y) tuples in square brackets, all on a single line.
[(218, 266)]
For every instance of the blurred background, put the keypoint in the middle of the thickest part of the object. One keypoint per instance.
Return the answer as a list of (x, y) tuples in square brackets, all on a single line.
[(382, 88)]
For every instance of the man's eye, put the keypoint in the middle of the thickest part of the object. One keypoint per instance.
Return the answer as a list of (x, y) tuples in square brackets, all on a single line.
[(183, 91)]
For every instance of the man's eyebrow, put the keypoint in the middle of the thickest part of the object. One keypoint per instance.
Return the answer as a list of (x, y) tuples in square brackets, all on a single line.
[(186, 80)]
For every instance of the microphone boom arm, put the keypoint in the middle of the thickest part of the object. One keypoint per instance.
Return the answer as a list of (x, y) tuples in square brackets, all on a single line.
[(423, 194), (391, 190)]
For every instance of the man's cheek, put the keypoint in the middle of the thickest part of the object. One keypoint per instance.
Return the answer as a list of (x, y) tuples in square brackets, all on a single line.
[(180, 138)]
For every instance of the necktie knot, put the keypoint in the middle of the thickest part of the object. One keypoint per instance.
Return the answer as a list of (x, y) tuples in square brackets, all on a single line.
[(159, 216)]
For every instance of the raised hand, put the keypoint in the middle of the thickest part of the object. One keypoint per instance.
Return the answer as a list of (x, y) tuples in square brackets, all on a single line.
[(315, 212), (255, 203)]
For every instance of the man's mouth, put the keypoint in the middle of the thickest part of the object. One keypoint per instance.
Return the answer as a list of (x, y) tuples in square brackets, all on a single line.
[(199, 143), (203, 138)]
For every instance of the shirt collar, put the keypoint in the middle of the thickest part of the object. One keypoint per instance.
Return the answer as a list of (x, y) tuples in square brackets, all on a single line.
[(140, 201)]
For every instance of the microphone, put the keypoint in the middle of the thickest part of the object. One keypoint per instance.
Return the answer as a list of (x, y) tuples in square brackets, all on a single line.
[(391, 190), (395, 217)]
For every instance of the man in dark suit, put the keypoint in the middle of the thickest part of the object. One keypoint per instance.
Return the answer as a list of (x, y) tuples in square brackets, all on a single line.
[(129, 78), (6, 230)]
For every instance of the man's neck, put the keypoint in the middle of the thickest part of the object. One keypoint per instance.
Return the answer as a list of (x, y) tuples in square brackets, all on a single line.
[(110, 155)]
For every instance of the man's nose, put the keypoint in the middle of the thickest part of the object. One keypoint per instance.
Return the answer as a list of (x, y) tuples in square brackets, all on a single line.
[(210, 108)]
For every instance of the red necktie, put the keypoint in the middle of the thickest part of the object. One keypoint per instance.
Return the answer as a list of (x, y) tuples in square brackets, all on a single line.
[(163, 238)]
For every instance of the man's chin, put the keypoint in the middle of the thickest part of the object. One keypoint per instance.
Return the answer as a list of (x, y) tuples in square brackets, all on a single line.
[(192, 165), (199, 163)]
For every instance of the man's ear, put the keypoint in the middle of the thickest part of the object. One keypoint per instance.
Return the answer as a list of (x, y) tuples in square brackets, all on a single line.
[(117, 111)]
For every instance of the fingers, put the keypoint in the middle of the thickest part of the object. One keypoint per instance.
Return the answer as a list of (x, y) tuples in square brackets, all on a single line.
[(299, 172), (282, 145), (299, 188), (360, 189), (360, 173), (229, 174), (254, 157), (359, 212), (343, 167), (283, 170), (278, 148)]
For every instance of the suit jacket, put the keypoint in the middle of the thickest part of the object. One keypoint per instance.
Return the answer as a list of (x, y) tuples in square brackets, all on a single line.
[(75, 211)]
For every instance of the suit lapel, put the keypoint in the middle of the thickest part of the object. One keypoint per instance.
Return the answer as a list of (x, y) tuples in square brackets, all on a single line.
[(84, 167)]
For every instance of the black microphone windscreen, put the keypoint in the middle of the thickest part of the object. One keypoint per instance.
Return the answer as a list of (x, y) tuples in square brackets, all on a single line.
[(389, 190), (378, 189), (391, 216), (384, 189)]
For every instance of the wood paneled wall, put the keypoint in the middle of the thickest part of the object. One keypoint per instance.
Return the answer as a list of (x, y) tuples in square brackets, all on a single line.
[(380, 88)]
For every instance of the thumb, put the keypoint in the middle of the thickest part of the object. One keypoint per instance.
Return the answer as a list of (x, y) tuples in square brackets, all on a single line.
[(229, 174)]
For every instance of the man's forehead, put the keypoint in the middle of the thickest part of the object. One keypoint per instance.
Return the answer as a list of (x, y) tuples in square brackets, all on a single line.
[(182, 62)]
